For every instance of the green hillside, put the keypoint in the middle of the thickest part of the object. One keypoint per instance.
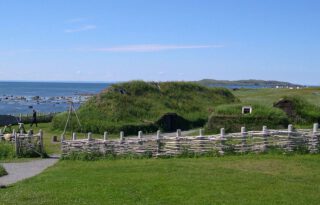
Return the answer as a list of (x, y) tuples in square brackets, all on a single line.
[(261, 83), (139, 105)]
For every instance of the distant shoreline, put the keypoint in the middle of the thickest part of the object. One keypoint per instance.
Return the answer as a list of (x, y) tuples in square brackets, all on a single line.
[(206, 82)]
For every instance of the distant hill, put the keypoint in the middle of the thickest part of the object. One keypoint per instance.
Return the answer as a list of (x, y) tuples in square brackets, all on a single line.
[(148, 106), (245, 83)]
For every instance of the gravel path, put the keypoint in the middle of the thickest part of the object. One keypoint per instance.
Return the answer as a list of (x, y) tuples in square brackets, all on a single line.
[(24, 170)]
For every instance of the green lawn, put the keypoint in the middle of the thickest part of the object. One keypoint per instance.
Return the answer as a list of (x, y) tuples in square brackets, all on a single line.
[(270, 95), (250, 179)]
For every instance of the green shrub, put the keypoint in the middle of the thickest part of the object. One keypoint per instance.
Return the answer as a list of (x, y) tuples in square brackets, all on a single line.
[(2, 171), (6, 150), (83, 156), (93, 156)]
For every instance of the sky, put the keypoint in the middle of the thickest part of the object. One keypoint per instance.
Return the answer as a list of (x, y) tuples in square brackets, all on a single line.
[(153, 40)]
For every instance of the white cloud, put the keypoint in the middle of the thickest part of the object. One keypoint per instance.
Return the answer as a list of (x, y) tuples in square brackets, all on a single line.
[(126, 48), (152, 48), (82, 28), (75, 20)]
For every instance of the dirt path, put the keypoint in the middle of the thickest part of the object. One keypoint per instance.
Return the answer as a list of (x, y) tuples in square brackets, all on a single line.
[(24, 170)]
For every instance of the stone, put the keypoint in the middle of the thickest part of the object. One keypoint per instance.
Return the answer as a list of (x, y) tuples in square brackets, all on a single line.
[(7, 137)]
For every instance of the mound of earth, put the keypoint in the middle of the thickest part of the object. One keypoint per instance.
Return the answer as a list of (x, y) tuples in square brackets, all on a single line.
[(299, 110), (148, 106)]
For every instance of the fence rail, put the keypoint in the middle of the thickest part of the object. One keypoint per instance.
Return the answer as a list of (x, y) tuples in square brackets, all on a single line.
[(158, 145)]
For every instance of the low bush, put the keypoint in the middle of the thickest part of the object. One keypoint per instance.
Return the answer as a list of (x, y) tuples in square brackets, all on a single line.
[(2, 171), (6, 150)]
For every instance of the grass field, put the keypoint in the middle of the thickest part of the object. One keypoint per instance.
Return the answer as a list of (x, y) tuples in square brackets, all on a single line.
[(250, 179), (270, 95)]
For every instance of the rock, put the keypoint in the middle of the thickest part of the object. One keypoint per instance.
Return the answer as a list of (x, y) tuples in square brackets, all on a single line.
[(7, 137)]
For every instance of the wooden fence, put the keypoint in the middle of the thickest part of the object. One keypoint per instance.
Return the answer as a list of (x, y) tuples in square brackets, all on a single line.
[(25, 145), (306, 140)]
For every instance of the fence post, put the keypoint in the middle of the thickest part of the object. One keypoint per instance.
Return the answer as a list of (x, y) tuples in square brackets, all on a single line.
[(313, 142), (289, 144), (200, 132), (89, 136), (222, 140), (74, 136), (158, 135), (222, 133), (178, 135), (121, 136), (244, 138), (62, 137), (315, 127), (16, 141), (140, 135), (159, 144), (265, 137), (41, 141), (105, 136)]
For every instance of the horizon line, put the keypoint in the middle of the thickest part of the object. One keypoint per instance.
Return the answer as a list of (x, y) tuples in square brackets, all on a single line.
[(114, 82)]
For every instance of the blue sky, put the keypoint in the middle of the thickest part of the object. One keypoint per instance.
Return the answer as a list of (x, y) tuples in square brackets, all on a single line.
[(79, 40)]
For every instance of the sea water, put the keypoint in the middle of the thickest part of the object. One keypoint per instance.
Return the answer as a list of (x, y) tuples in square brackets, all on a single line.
[(22, 97)]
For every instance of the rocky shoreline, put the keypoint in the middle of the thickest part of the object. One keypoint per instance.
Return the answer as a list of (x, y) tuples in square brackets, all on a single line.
[(40, 99), (14, 104)]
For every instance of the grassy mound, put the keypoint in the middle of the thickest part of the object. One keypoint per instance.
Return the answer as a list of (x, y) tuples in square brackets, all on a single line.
[(2, 171), (139, 105), (231, 118), (299, 110)]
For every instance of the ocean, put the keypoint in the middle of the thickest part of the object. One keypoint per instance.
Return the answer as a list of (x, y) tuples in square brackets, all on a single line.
[(22, 97), (47, 97)]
